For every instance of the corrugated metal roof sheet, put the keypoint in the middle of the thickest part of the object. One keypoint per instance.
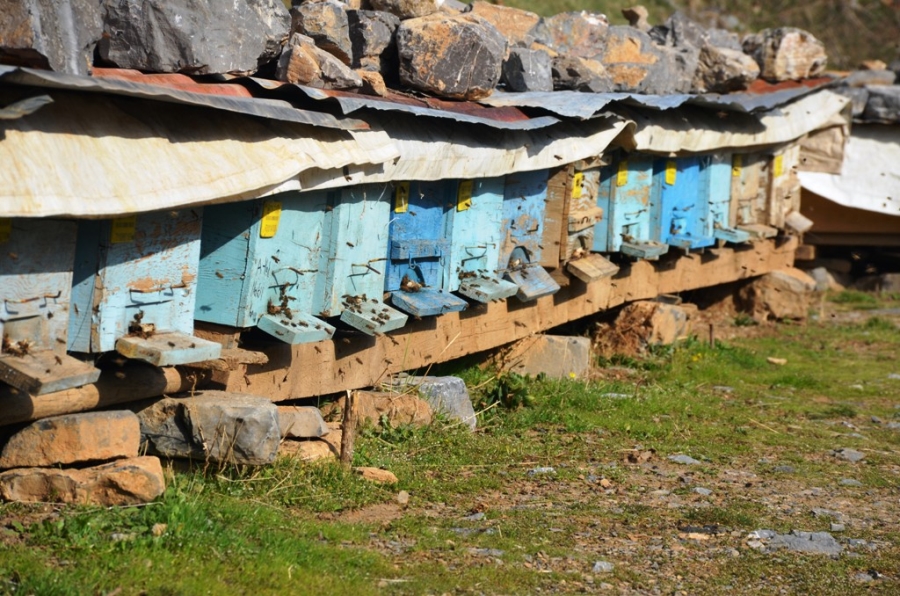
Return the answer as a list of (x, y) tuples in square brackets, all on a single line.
[(177, 89)]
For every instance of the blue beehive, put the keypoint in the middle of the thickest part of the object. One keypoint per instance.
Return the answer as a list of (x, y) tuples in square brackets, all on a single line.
[(134, 288), (631, 209), (682, 218), (475, 236), (720, 222), (261, 264), (36, 257), (749, 195), (419, 248), (355, 235), (523, 217)]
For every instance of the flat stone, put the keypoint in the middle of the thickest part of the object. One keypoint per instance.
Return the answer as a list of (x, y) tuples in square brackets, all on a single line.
[(301, 422), (376, 475), (395, 408), (807, 542), (603, 567), (702, 491), (58, 35), (850, 455), (684, 459), (122, 482), (779, 295), (309, 450), (373, 40), (515, 24), (580, 74), (406, 9), (326, 23), (457, 57), (785, 469), (447, 396), (214, 426), (73, 438), (527, 70), (542, 471), (302, 62), (723, 70), (786, 54), (850, 482), (193, 36), (556, 356), (835, 527)]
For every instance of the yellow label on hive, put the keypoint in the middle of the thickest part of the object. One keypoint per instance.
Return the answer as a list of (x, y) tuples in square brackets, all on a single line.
[(622, 173), (778, 165), (577, 184), (401, 198), (271, 216), (464, 195), (737, 162), (5, 229), (671, 172), (122, 229)]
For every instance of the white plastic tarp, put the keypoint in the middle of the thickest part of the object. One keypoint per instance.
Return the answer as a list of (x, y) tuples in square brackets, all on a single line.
[(870, 174)]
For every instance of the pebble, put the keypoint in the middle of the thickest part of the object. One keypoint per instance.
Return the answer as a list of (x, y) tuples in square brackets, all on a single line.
[(723, 388), (403, 498), (616, 395), (894, 376), (857, 386), (702, 491), (474, 517), (487, 552), (855, 435), (838, 527), (850, 482), (876, 420), (603, 567), (683, 459), (893, 425), (541, 470), (785, 469), (851, 455)]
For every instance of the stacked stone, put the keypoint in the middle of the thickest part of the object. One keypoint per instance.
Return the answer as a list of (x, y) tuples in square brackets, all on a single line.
[(873, 93), (440, 47)]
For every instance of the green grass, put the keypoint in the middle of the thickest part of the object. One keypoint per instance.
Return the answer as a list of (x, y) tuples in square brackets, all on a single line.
[(281, 529)]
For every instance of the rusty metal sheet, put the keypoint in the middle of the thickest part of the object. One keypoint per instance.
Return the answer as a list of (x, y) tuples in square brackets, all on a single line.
[(176, 89)]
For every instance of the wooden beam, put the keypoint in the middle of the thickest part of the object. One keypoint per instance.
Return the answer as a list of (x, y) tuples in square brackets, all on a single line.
[(332, 366)]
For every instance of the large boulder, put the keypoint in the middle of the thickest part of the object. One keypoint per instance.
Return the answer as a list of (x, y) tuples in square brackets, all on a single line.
[(779, 295), (786, 53), (73, 438), (373, 40), (636, 64), (58, 35), (327, 24), (213, 426), (723, 70), (122, 482), (457, 57), (303, 63), (556, 356), (193, 36), (301, 422)]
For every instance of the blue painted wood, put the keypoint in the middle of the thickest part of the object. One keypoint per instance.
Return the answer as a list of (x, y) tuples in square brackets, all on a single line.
[(168, 349), (355, 234), (633, 208), (523, 214), (599, 183), (749, 195), (148, 276), (253, 273), (683, 213), (428, 302), (720, 217), (533, 281), (418, 247), (483, 288), (475, 235)]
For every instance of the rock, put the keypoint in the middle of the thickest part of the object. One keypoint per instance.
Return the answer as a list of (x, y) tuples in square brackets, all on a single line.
[(778, 295), (193, 36), (214, 426), (515, 24), (679, 30), (477, 516), (827, 280), (873, 65), (528, 70), (786, 54), (122, 482), (375, 407), (447, 396), (376, 475), (308, 451), (642, 324), (637, 17), (556, 356), (542, 471), (862, 78), (326, 23), (776, 361), (403, 498), (635, 64), (785, 469), (580, 34), (458, 57), (58, 35), (838, 527), (406, 9), (373, 40), (702, 491), (722, 70), (684, 459), (807, 542), (372, 83), (883, 103), (602, 567), (580, 74), (850, 455), (301, 422), (73, 438), (302, 62)]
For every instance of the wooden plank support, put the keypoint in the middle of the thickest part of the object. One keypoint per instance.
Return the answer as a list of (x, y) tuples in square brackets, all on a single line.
[(307, 370), (132, 382)]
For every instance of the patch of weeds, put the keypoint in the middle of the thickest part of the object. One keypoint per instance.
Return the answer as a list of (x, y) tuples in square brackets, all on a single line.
[(742, 319), (742, 516), (856, 298), (838, 411), (796, 381), (880, 324)]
